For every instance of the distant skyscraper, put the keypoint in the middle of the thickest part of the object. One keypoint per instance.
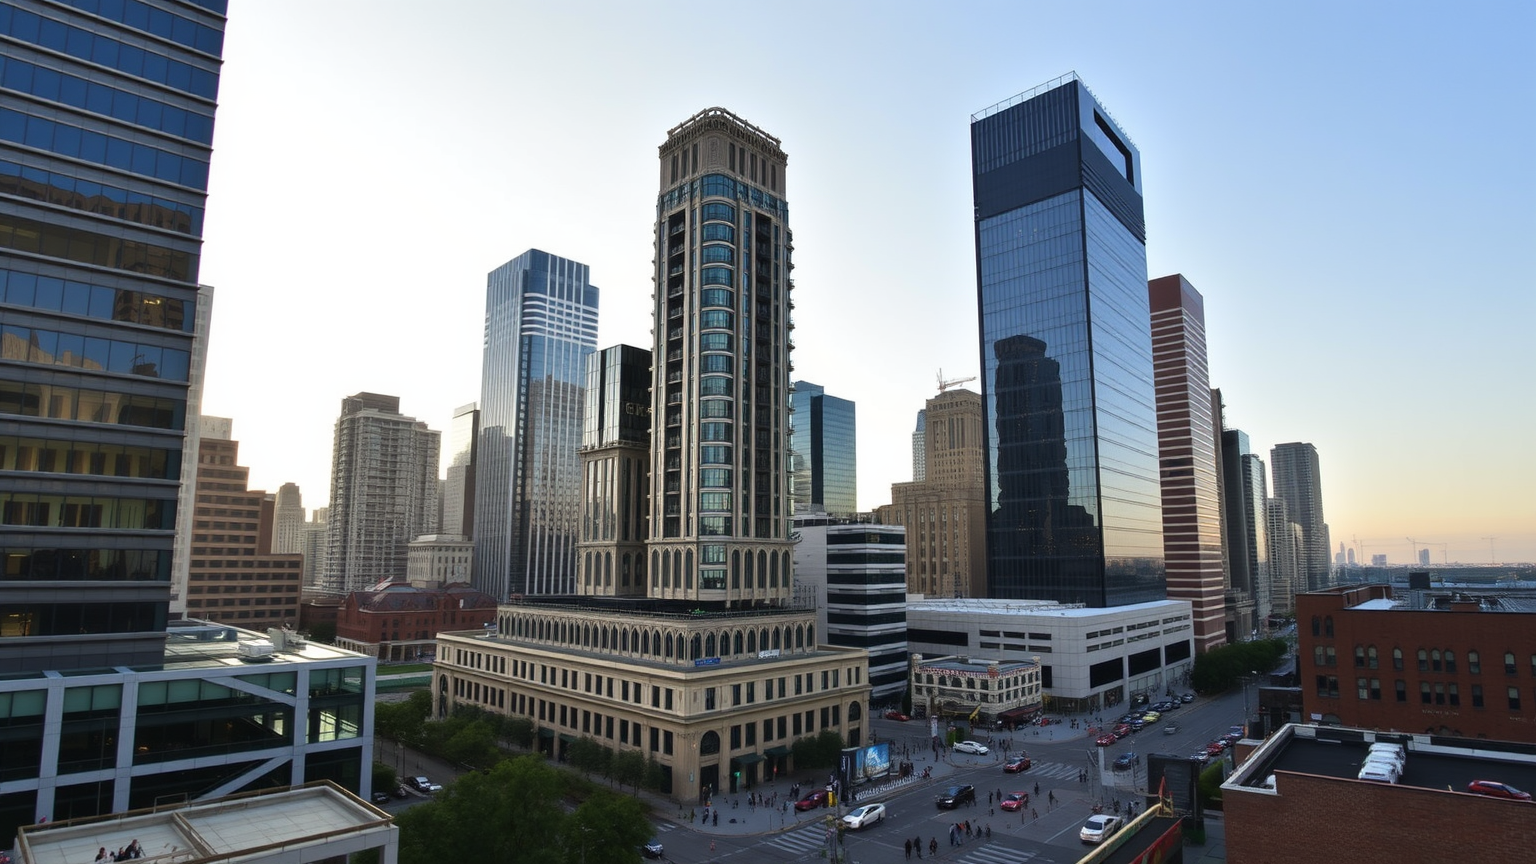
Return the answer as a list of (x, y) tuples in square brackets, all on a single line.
[(316, 536), (1298, 482), (615, 466), (1284, 545), (383, 492), (1186, 427), (720, 508), (824, 449), (1243, 496), (459, 485), (919, 446), (540, 327), (1066, 353), (106, 129), (288, 532)]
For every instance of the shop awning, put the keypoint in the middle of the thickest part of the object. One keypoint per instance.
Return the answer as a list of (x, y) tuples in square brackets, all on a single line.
[(749, 758), (567, 737), (546, 733), (780, 750)]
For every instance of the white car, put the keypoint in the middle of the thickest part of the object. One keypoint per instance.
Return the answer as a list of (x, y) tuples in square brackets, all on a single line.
[(1100, 827), (864, 816), (973, 747)]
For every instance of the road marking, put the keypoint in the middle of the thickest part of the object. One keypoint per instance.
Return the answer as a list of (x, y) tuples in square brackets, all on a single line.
[(802, 839), (995, 855)]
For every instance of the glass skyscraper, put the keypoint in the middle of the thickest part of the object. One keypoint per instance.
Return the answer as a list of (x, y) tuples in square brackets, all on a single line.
[(1074, 507), (1299, 483), (540, 326), (106, 129), (720, 505), (824, 451)]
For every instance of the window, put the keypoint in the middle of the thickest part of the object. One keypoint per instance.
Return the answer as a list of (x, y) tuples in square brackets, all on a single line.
[(1328, 626), (1362, 688), (1477, 695), (1434, 659), (1333, 659), (1376, 689), (1425, 696), (709, 698), (1360, 659), (1509, 662), (1322, 685), (1453, 693), (1371, 659), (1514, 698), (1450, 662), (1423, 660), (1317, 629), (1439, 694), (1402, 690), (1474, 663), (1397, 659), (1318, 656)]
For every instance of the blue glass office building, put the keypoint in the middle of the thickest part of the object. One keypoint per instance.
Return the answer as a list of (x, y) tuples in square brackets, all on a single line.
[(106, 128), (823, 451), (540, 326), (1074, 503)]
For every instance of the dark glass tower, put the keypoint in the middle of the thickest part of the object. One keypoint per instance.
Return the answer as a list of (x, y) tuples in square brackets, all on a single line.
[(1075, 511), (106, 128), (824, 444)]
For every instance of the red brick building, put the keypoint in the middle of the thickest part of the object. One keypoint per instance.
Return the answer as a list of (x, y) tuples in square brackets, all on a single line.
[(1447, 662), (399, 622)]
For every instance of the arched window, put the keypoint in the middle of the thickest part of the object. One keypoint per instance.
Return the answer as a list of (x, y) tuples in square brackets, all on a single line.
[(1423, 660), (1371, 659), (1328, 626), (751, 641), (1509, 662), (688, 569), (854, 711), (736, 569), (800, 637), (810, 636), (1474, 663), (776, 643), (696, 644), (1397, 659), (668, 643), (1434, 660), (709, 646), (736, 642), (1317, 626), (1450, 662), (709, 744), (1359, 656)]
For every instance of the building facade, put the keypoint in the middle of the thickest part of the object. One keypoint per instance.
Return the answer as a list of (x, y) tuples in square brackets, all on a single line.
[(540, 327), (1074, 504), (435, 560), (823, 451), (1285, 549), (1445, 663), (232, 579), (990, 691), (106, 130), (459, 481), (720, 504), (1298, 482), (1243, 520), (615, 485), (288, 521), (383, 493), (399, 622), (920, 448), (1186, 429), (945, 512)]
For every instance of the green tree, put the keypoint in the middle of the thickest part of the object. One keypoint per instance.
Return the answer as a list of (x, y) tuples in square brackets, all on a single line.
[(474, 745), (384, 778), (607, 828), (588, 756), (512, 813), (518, 730), (628, 768)]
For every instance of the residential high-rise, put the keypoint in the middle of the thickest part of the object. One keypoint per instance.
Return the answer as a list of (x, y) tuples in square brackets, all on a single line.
[(1186, 427), (823, 451), (459, 484), (720, 508), (945, 514), (232, 578), (540, 327), (615, 465), (106, 128), (1298, 482), (316, 534), (1074, 501), (1284, 547), (383, 493), (288, 532), (1243, 519), (856, 573)]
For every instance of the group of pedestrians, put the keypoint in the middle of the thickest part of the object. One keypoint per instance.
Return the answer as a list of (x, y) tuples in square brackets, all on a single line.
[(916, 845), (126, 853)]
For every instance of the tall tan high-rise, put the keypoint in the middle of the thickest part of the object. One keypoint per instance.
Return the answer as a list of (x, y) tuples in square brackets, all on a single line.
[(288, 530), (945, 513), (1186, 438)]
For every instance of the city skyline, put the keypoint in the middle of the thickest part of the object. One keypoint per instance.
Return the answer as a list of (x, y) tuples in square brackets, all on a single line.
[(1289, 204)]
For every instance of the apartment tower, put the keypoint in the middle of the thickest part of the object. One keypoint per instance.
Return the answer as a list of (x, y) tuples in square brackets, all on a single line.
[(720, 504), (1298, 482), (540, 327), (106, 127), (823, 451), (615, 466), (1075, 511), (459, 484), (1187, 456)]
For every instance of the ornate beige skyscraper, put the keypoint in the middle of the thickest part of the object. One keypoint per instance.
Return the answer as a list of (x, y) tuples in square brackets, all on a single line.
[(288, 519), (720, 508)]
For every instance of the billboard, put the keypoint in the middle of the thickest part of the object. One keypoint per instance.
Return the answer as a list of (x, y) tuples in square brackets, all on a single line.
[(863, 764)]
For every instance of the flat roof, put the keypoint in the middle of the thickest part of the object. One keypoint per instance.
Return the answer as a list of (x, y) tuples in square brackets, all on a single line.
[(250, 827), (1039, 608), (975, 664)]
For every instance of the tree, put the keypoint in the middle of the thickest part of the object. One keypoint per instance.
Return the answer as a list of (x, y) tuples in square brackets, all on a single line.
[(518, 730), (607, 828), (512, 813), (384, 778), (628, 768), (1221, 668), (588, 755), (473, 745)]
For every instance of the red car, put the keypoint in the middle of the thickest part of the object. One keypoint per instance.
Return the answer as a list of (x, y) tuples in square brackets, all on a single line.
[(1016, 764), (896, 715), (816, 799), (1106, 740), (1214, 749), (1495, 789), (1122, 730), (1015, 800)]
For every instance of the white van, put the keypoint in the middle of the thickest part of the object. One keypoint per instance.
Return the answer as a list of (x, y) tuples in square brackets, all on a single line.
[(1392, 752), (1381, 771)]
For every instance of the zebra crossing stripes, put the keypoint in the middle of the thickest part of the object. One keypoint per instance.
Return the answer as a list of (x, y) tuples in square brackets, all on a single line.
[(802, 840), (995, 855), (1059, 770)]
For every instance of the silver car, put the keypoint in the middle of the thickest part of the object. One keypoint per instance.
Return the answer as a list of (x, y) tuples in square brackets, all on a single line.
[(864, 816), (975, 748)]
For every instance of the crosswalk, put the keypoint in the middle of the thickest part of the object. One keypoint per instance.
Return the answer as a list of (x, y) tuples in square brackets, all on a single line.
[(1058, 770), (995, 855), (802, 840)]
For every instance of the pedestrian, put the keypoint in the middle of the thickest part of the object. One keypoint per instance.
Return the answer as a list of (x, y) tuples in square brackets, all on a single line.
[(717, 818), (967, 828), (1034, 814), (989, 799), (1037, 789), (933, 845), (989, 830), (909, 849), (917, 843), (101, 854)]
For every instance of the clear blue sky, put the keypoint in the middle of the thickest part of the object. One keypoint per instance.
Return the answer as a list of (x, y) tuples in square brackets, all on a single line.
[(1350, 185)]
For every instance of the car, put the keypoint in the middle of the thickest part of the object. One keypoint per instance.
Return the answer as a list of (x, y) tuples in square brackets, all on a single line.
[(1152, 716), (1122, 730), (1164, 706), (819, 798), (652, 848), (1392, 753), (1170, 728), (1015, 801), (401, 792), (1129, 718), (1017, 764), (1201, 756), (380, 798), (1229, 739), (1495, 789), (1106, 740), (975, 748), (1187, 698), (1099, 827), (896, 715), (1215, 748), (1138, 724), (1238, 730), (1126, 761), (955, 796), (422, 785), (864, 816), (1381, 772)]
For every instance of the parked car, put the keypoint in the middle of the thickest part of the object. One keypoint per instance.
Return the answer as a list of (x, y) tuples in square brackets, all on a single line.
[(1187, 698), (975, 748), (1152, 716), (896, 715), (1201, 756), (1122, 730), (955, 796), (1381, 772), (652, 849), (1014, 801), (1138, 724), (1215, 748), (422, 785), (1126, 761), (1106, 740), (819, 798), (1099, 827), (380, 798), (864, 816), (1016, 764), (1495, 789)]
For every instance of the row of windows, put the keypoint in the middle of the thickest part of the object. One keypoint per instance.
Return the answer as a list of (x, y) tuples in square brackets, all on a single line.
[(100, 250), (91, 146), (75, 457), (83, 511), (1439, 693), (1429, 660), (721, 186), (96, 301), (94, 47), (88, 196), (95, 406), (71, 619), (29, 564), (55, 86), (53, 348)]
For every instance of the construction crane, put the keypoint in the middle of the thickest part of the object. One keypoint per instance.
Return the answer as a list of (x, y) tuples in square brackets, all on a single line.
[(945, 384)]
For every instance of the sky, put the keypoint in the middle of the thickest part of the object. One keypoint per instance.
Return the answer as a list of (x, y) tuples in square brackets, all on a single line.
[(1349, 185)]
